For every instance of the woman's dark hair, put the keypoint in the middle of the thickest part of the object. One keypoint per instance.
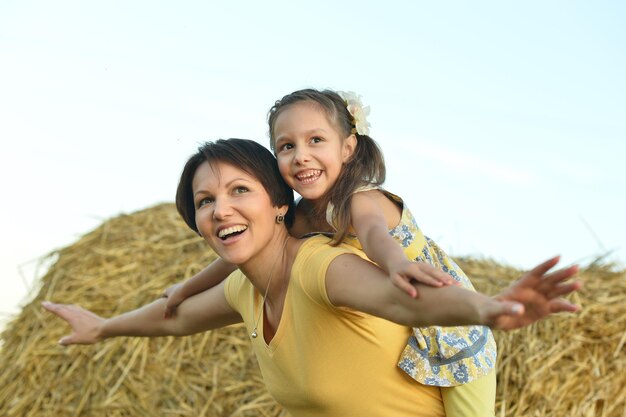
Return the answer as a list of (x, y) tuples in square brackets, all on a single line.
[(244, 154), (366, 166)]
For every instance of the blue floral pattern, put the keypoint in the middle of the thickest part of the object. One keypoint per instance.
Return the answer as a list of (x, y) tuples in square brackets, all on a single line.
[(438, 356)]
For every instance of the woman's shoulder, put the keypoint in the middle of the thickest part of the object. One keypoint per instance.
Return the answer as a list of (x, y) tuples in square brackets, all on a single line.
[(316, 251), (236, 288)]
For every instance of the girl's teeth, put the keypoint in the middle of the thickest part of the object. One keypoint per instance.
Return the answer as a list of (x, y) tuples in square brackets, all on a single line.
[(309, 176)]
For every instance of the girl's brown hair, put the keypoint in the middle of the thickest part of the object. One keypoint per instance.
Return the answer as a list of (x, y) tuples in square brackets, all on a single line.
[(365, 167)]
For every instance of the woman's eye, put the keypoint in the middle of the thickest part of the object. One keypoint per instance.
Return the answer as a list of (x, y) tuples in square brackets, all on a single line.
[(205, 201), (240, 190)]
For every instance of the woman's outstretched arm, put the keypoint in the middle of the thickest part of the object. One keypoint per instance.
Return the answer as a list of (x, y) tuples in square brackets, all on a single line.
[(204, 311), (355, 283)]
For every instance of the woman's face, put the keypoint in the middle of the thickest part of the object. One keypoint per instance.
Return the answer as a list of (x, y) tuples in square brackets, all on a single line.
[(234, 212)]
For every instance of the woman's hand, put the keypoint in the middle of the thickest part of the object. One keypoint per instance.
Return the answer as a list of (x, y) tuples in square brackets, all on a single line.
[(85, 324), (406, 273), (536, 295)]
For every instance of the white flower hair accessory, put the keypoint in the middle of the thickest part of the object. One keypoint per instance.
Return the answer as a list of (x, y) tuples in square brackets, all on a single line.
[(359, 112)]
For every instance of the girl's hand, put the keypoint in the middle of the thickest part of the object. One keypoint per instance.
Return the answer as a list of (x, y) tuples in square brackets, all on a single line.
[(536, 295), (85, 324), (175, 296), (404, 274)]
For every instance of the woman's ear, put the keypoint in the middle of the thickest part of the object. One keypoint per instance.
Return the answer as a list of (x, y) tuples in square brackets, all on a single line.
[(282, 209), (349, 146)]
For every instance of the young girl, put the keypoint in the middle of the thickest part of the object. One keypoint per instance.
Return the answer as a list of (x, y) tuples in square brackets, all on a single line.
[(321, 142)]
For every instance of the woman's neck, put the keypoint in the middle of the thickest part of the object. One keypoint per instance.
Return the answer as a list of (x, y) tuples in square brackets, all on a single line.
[(268, 270)]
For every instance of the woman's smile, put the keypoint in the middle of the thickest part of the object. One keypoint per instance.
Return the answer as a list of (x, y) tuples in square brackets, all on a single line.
[(234, 212)]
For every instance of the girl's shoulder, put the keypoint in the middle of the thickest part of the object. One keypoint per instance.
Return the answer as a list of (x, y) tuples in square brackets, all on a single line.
[(377, 199), (377, 191), (380, 196)]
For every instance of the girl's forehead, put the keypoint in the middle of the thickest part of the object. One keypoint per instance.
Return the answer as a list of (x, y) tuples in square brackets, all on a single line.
[(304, 114)]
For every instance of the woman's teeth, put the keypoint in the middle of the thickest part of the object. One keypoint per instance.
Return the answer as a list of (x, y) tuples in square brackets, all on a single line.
[(225, 233)]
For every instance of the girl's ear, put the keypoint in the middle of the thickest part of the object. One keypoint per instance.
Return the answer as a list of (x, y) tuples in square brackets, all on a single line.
[(349, 146)]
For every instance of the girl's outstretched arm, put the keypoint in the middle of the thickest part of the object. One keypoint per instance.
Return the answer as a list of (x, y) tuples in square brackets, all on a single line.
[(205, 311), (358, 284), (372, 215), (209, 277)]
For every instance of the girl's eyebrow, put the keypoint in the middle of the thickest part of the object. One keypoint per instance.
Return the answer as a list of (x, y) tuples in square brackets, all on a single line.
[(306, 133), (316, 130)]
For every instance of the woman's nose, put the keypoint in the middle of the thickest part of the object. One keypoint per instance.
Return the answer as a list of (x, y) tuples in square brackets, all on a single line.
[(221, 208)]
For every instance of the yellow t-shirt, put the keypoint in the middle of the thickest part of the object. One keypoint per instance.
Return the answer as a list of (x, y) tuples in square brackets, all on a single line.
[(328, 361)]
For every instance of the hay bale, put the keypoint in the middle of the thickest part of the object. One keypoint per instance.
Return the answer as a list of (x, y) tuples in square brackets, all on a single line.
[(561, 367), (125, 263), (567, 365)]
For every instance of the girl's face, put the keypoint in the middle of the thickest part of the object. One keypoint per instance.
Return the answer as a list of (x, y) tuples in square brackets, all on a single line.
[(234, 212), (310, 150)]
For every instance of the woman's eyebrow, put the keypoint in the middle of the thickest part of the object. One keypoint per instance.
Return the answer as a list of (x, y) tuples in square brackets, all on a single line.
[(235, 180), (225, 185), (200, 192)]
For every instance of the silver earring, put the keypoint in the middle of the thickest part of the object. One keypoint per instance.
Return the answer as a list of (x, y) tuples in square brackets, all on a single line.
[(280, 218)]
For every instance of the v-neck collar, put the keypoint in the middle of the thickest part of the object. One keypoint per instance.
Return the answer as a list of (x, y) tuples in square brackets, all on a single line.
[(283, 322)]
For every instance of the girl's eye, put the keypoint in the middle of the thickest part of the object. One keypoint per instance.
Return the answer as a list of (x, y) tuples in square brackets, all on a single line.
[(285, 147), (316, 139), (205, 201), (241, 190)]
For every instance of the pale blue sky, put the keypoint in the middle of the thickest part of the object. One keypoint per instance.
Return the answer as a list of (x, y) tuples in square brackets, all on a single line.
[(502, 123)]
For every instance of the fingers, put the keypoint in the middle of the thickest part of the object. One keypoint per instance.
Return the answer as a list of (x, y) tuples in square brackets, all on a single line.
[(561, 305), (564, 289), (84, 323), (60, 310), (541, 269), (171, 305), (536, 277), (428, 274), (428, 280), (66, 340), (501, 312), (168, 312), (560, 275), (441, 276), (405, 286)]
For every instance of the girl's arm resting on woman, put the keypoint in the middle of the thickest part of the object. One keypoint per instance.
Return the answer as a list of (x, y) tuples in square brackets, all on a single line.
[(355, 283), (209, 277), (205, 311), (369, 211)]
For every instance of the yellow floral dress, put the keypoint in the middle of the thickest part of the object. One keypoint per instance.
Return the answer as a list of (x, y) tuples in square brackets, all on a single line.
[(438, 356)]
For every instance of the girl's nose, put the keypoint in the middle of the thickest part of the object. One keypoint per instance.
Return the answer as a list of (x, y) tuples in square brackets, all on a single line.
[(301, 156)]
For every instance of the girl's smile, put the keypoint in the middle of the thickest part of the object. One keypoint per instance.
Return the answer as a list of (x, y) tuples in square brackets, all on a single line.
[(309, 149)]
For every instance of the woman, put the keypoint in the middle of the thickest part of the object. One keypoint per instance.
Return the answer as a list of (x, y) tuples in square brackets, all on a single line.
[(325, 324)]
